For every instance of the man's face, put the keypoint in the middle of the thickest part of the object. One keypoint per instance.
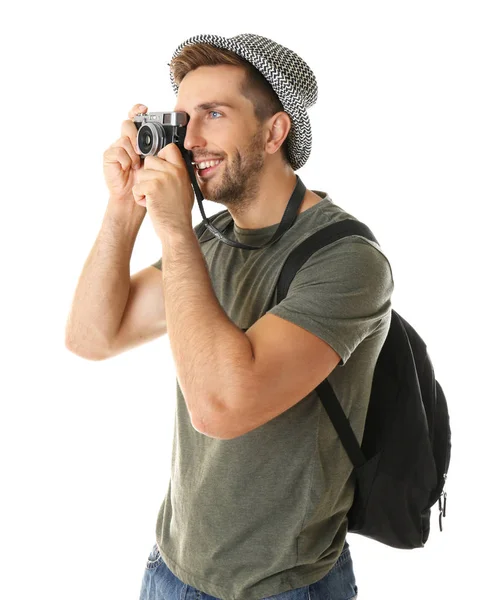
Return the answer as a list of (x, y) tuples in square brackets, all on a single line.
[(231, 133)]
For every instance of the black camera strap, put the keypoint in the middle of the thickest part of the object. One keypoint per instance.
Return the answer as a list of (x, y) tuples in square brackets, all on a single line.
[(289, 216)]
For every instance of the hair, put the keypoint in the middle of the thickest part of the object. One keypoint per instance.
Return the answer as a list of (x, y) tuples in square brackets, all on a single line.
[(255, 86)]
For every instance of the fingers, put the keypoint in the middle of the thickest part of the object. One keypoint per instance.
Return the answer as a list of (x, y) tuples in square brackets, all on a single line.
[(128, 128), (122, 151), (136, 110)]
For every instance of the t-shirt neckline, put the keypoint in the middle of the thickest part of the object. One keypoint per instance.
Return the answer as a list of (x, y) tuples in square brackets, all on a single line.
[(243, 234)]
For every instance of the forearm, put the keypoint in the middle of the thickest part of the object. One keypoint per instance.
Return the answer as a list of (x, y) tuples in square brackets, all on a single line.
[(103, 286), (211, 354)]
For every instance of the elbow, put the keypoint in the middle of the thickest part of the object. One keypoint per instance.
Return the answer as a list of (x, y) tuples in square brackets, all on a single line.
[(93, 356), (214, 421)]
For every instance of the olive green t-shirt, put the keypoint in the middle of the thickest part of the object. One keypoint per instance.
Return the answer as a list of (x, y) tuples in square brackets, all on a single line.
[(265, 513)]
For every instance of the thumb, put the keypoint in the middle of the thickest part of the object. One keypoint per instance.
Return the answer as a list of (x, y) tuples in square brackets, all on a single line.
[(172, 154)]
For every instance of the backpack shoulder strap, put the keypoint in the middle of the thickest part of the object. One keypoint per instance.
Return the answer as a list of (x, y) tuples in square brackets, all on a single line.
[(297, 257), (321, 238)]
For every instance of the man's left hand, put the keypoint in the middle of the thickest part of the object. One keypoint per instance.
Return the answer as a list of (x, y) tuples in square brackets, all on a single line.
[(164, 187)]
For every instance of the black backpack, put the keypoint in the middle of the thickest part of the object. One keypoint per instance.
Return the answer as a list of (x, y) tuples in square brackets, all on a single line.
[(401, 467)]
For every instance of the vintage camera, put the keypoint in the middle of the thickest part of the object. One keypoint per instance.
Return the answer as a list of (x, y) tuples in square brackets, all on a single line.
[(158, 129)]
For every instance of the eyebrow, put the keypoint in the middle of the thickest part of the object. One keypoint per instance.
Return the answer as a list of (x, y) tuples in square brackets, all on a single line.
[(208, 105)]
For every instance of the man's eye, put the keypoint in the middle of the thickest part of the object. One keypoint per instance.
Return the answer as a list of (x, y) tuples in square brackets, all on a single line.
[(214, 112)]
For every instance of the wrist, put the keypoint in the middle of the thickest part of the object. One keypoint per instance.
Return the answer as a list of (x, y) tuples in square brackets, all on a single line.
[(178, 233), (125, 209), (125, 216)]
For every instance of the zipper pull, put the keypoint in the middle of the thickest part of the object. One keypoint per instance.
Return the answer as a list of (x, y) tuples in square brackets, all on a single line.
[(441, 508)]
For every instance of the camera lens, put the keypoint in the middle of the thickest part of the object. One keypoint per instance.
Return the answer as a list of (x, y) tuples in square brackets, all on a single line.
[(150, 138)]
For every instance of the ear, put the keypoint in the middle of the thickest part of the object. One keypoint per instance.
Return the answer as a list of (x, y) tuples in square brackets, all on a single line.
[(279, 128)]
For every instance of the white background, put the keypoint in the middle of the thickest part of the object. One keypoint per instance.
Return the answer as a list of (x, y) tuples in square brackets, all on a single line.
[(404, 138)]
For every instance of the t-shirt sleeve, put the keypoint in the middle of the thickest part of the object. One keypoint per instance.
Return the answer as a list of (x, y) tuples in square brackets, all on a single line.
[(340, 294)]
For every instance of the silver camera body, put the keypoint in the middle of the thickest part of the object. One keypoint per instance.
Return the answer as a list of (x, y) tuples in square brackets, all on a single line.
[(158, 129)]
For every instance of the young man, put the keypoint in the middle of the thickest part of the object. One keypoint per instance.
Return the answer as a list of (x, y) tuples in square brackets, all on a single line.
[(260, 482)]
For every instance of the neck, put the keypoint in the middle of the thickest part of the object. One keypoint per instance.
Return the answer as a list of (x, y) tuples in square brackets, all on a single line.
[(269, 202)]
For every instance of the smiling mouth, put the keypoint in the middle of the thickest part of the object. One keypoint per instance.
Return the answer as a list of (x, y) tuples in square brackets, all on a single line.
[(208, 170)]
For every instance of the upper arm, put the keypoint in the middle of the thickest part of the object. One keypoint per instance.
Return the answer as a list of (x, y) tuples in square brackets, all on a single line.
[(336, 299), (144, 317), (289, 362)]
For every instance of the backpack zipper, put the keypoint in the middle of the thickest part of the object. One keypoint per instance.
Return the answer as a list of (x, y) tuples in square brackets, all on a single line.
[(441, 508)]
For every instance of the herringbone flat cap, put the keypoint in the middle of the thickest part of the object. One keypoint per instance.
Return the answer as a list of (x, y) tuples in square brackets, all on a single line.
[(290, 77)]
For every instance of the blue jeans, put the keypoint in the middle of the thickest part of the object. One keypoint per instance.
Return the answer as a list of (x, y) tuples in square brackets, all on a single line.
[(159, 583)]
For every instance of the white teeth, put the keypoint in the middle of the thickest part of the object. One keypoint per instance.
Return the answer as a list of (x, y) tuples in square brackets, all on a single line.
[(209, 163)]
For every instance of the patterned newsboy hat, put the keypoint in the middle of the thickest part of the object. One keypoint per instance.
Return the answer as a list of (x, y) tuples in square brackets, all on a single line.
[(290, 77)]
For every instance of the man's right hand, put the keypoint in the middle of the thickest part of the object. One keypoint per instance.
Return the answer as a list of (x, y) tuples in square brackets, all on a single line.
[(122, 162)]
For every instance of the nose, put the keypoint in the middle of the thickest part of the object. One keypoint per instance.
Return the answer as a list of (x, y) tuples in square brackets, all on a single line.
[(193, 138)]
